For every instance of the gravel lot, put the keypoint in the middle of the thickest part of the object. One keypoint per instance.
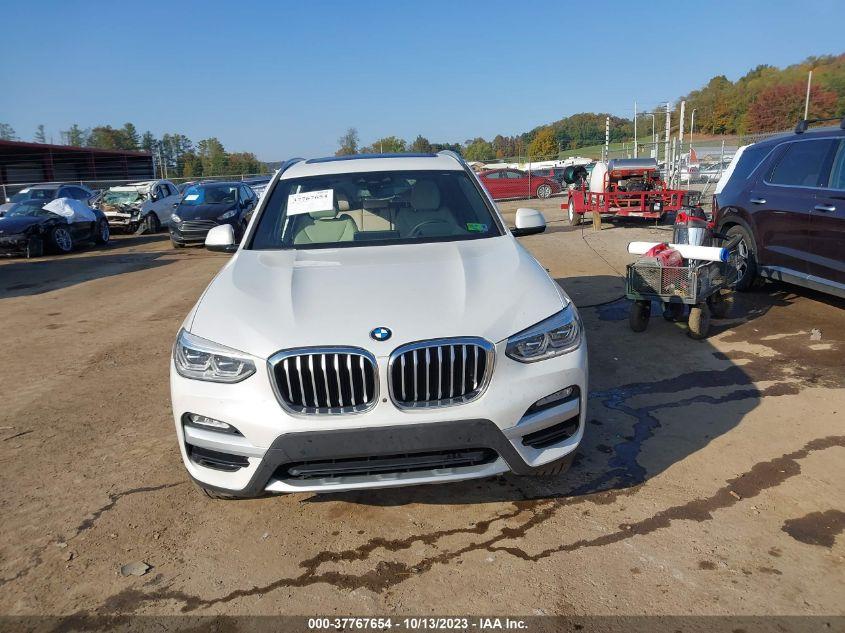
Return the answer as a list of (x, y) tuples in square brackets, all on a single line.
[(709, 481)]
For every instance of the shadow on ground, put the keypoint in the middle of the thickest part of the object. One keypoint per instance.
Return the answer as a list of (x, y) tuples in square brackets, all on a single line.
[(25, 277), (644, 383)]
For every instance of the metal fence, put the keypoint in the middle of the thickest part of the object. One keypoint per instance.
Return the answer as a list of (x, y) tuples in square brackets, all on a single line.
[(8, 190)]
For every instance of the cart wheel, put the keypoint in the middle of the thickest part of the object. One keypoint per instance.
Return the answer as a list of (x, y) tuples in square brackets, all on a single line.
[(574, 218), (721, 303), (673, 311), (639, 314), (699, 321)]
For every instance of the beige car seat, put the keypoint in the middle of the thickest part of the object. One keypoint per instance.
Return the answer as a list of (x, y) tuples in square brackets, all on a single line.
[(326, 227), (425, 216)]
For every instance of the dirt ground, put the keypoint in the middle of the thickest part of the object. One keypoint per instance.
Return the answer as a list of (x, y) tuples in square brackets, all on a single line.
[(710, 479)]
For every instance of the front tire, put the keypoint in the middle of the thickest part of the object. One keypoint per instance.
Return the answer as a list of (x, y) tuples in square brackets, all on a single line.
[(544, 191), (61, 239), (34, 247), (103, 233), (639, 315), (746, 257), (149, 224), (699, 321), (574, 218)]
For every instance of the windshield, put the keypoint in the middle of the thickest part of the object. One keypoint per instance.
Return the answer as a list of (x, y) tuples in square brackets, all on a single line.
[(211, 194), (34, 194), (27, 207), (123, 197), (366, 209)]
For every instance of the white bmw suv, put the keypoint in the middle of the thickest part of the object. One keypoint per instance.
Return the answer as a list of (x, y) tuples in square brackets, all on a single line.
[(378, 325)]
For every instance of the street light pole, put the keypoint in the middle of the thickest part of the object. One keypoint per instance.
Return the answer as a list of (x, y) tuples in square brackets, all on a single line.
[(635, 129)]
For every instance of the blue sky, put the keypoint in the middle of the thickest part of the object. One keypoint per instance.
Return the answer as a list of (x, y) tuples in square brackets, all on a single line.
[(283, 78)]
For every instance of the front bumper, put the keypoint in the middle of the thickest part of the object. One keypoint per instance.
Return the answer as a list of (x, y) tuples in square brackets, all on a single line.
[(194, 231), (126, 221), (491, 435), (13, 244)]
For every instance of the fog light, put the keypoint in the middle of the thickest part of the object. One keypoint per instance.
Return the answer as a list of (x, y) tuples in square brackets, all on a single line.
[(205, 422), (552, 399)]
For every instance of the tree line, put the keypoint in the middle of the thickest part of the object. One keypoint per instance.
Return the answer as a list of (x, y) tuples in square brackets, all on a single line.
[(766, 99), (175, 154)]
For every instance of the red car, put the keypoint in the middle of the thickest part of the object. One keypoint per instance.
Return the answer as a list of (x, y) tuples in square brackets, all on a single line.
[(513, 183)]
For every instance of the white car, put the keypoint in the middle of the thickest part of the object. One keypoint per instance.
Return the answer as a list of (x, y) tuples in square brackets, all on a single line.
[(144, 206), (377, 326)]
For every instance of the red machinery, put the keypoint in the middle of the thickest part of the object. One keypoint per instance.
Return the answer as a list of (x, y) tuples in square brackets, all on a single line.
[(627, 187)]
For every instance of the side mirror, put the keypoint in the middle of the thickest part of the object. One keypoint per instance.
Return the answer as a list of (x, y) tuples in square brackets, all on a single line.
[(221, 239), (528, 222)]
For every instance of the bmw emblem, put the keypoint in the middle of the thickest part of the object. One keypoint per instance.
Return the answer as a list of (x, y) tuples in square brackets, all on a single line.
[(380, 334)]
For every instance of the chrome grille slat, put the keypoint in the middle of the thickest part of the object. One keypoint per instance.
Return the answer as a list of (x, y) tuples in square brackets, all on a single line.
[(351, 382), (442, 374), (337, 377), (325, 381)]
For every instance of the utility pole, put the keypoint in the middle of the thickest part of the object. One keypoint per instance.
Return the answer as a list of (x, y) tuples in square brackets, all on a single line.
[(681, 128), (691, 127), (635, 129), (668, 131), (654, 146), (807, 99)]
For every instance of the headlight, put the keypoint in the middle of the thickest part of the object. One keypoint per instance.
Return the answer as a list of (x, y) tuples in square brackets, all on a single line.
[(175, 218), (559, 334), (201, 359), (229, 214)]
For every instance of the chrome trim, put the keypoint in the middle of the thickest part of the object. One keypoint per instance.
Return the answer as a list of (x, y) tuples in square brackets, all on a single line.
[(297, 353), (813, 282), (478, 387)]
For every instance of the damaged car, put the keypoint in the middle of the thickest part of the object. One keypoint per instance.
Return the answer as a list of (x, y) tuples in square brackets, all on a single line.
[(31, 227), (140, 207)]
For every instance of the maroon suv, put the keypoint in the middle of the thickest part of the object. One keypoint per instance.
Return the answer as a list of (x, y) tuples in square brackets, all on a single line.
[(786, 199)]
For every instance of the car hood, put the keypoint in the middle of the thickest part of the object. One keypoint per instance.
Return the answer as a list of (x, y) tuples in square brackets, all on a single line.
[(265, 301), (203, 211), (17, 224)]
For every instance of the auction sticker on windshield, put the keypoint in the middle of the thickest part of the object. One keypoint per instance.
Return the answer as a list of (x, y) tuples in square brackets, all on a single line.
[(311, 201)]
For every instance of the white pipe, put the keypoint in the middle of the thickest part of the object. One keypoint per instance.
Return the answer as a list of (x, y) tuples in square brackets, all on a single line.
[(687, 251)]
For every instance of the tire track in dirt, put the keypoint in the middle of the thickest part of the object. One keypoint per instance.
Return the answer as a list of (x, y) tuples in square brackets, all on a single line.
[(762, 477)]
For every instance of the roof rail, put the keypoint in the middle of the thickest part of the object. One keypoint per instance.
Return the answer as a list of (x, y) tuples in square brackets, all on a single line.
[(453, 154), (288, 163), (803, 124)]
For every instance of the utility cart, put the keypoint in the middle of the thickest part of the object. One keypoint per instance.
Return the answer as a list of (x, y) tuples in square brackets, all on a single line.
[(704, 286)]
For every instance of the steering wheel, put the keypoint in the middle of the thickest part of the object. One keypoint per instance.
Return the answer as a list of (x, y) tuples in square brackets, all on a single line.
[(415, 231)]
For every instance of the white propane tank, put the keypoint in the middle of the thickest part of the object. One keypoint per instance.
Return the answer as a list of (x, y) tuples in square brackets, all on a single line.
[(597, 177)]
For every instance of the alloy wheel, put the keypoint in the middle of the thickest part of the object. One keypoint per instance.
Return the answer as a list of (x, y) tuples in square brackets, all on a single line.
[(63, 240)]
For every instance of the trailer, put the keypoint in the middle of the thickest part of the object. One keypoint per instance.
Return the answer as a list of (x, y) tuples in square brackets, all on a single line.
[(625, 188)]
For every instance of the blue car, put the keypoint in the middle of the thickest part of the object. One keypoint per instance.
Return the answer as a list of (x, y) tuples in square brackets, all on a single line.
[(206, 205)]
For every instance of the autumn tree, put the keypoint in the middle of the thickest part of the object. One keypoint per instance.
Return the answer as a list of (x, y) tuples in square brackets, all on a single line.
[(421, 145), (544, 144), (782, 106), (386, 145), (478, 149), (212, 156), (348, 143)]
